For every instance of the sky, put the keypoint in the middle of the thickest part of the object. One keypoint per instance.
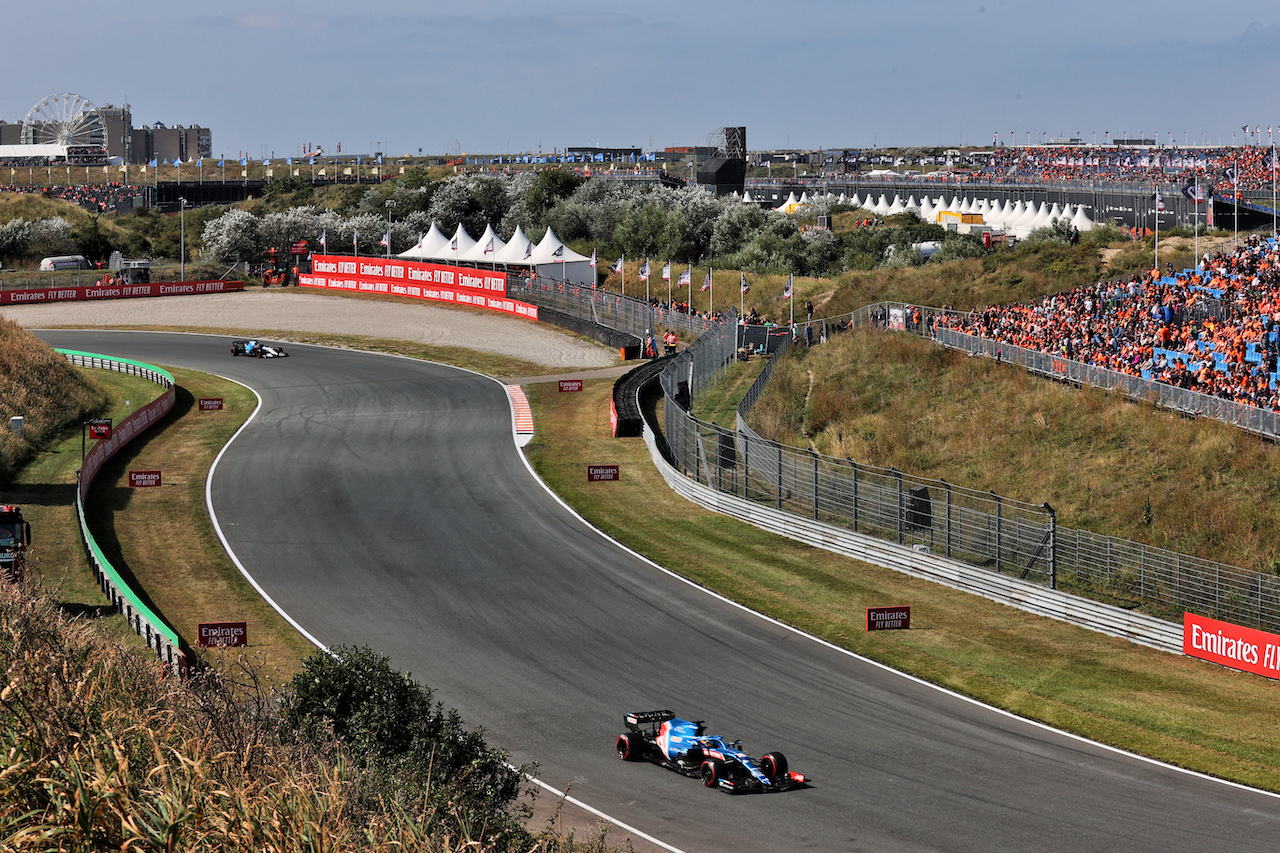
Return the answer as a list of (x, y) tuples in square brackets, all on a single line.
[(495, 76)]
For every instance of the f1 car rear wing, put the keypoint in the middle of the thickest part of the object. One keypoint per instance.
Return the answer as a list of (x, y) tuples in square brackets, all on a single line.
[(636, 719)]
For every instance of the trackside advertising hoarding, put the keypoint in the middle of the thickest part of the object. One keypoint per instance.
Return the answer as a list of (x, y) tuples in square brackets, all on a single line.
[(116, 291), (1240, 648), (460, 285)]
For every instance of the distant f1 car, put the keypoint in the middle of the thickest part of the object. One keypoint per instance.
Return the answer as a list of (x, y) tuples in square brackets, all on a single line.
[(680, 745), (257, 349)]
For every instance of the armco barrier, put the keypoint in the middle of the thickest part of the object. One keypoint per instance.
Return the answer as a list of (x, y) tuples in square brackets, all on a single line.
[(1033, 598), (145, 623)]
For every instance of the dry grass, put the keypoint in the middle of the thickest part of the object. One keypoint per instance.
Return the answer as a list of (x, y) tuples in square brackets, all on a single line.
[(103, 752), (1104, 463), (37, 384), (161, 539)]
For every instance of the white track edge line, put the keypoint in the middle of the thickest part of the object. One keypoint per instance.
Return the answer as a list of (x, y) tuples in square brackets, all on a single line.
[(832, 646)]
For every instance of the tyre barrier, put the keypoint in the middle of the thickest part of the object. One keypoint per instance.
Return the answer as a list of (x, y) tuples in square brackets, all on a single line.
[(626, 417)]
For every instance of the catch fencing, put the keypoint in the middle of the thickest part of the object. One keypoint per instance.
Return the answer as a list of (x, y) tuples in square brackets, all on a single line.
[(637, 317), (983, 529)]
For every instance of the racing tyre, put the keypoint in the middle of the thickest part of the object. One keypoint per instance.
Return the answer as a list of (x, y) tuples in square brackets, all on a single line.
[(711, 771), (233, 351), (630, 746), (774, 765)]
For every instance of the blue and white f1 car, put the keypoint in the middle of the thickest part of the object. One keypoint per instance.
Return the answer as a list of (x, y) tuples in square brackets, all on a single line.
[(680, 745)]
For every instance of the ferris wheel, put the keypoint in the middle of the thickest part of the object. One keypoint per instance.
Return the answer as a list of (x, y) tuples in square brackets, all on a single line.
[(64, 119)]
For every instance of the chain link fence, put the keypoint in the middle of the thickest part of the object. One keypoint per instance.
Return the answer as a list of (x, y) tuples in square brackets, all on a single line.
[(624, 313), (981, 529), (987, 530), (1162, 582)]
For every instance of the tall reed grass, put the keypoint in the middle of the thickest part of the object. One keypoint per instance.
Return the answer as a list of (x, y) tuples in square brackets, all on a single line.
[(103, 751)]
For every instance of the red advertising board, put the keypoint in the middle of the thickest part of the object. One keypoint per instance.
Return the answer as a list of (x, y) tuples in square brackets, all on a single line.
[(222, 634), (1235, 646), (888, 618), (100, 428), (143, 479), (416, 279), (596, 473), (210, 404), (570, 384), (116, 291)]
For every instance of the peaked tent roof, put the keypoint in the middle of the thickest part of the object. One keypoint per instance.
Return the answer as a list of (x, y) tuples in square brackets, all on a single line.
[(477, 252), (428, 247), (517, 250), (552, 251), (1081, 220), (462, 240)]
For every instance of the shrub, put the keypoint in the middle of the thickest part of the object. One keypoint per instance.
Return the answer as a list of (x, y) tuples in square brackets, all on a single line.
[(414, 754)]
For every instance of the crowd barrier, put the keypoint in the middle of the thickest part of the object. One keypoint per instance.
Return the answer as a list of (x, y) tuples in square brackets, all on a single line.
[(159, 637)]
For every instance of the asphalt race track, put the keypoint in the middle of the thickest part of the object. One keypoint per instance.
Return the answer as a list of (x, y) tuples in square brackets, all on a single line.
[(381, 501)]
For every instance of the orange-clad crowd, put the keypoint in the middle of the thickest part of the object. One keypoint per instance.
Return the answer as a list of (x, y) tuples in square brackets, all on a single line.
[(1242, 168), (1212, 329)]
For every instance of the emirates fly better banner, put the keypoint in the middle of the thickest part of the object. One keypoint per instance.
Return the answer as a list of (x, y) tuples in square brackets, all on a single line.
[(461, 285), (117, 291), (1231, 645)]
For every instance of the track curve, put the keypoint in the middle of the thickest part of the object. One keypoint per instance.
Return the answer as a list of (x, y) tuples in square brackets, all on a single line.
[(381, 501)]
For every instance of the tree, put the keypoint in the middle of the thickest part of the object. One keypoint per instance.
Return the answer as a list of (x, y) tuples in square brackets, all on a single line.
[(92, 242), (650, 231), (735, 228), (280, 186), (474, 201), (51, 237), (15, 239), (232, 237)]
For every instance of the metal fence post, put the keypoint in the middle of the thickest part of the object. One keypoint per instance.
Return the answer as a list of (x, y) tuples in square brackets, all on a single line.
[(948, 488), (901, 532), (778, 447), (854, 466), (815, 483), (1053, 546), (999, 530)]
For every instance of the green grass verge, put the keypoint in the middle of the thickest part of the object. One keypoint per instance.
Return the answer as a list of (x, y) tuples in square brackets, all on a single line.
[(45, 490), (1177, 709)]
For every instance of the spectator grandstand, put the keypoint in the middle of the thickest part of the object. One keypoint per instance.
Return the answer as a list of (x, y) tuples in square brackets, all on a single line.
[(98, 198), (1173, 166), (1213, 329)]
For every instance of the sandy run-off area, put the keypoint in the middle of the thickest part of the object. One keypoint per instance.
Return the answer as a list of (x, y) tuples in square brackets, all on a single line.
[(258, 311)]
